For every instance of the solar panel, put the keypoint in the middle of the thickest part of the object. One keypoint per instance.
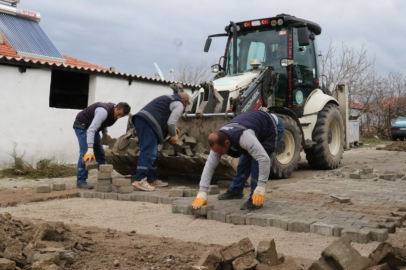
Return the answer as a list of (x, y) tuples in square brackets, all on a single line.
[(28, 38)]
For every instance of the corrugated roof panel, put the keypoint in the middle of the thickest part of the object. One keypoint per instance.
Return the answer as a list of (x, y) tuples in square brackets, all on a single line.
[(27, 37)]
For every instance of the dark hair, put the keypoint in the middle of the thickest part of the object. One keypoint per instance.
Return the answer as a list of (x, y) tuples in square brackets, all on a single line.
[(124, 106), (221, 139)]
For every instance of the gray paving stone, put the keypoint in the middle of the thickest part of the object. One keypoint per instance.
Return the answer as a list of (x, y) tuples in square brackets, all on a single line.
[(110, 196), (102, 176), (44, 189), (236, 219), (217, 215), (165, 200), (299, 225), (357, 235), (138, 197), (104, 188), (258, 220), (124, 197), (121, 182), (379, 235), (124, 189), (325, 229), (151, 198), (104, 182), (91, 165), (176, 192), (367, 170), (58, 187), (108, 168), (279, 222), (189, 193), (206, 209), (86, 194), (99, 195)]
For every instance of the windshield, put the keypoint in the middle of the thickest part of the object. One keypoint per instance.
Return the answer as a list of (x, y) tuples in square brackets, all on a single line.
[(266, 45)]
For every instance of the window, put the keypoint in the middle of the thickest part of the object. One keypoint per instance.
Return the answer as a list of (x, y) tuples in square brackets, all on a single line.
[(69, 90)]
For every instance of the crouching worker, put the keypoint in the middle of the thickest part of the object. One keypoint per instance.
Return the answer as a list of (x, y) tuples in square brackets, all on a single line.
[(88, 124), (251, 136)]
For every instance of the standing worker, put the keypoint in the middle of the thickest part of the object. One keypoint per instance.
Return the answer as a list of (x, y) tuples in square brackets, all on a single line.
[(153, 124), (251, 136), (88, 123)]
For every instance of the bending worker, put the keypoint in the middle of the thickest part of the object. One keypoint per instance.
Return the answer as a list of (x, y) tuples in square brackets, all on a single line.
[(153, 124), (88, 123), (251, 136)]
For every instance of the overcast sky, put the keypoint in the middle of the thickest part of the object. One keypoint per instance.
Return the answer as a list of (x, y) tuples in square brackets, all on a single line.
[(132, 35)]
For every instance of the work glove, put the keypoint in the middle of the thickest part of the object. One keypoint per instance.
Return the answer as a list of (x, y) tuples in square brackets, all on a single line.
[(201, 199), (258, 196), (177, 131), (89, 156), (173, 139)]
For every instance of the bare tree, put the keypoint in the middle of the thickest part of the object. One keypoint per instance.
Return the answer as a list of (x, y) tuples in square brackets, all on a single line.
[(193, 72)]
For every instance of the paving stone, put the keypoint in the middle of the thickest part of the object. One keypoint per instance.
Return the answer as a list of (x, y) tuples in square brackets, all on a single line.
[(389, 172), (266, 253), (381, 251), (110, 196), (321, 264), (151, 198), (217, 215), (390, 177), (235, 250), (280, 222), (379, 235), (86, 194), (325, 229), (138, 197), (43, 189), (344, 255), (121, 182), (165, 200), (104, 188), (187, 150), (124, 197), (258, 220), (355, 175), (341, 198), (106, 168), (199, 148), (367, 170), (236, 219), (391, 226), (357, 235), (175, 192), (210, 258), (6, 264), (206, 209), (182, 208), (104, 182), (91, 165), (246, 262), (99, 195), (299, 225), (213, 189), (383, 266), (102, 176), (124, 189), (189, 193), (58, 187)]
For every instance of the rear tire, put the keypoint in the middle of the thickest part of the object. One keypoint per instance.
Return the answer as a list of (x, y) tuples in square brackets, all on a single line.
[(285, 161), (329, 136)]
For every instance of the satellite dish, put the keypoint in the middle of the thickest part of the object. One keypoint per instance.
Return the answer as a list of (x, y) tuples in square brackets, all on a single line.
[(159, 72)]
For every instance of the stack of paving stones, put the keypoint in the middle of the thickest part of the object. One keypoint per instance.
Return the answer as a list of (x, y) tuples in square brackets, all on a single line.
[(243, 255), (104, 178)]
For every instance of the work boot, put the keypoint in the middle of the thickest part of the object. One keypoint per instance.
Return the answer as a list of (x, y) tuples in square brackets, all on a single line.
[(159, 183), (143, 185), (84, 185), (248, 205), (229, 195)]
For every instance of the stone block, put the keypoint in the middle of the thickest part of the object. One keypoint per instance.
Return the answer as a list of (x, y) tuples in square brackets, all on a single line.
[(86, 194), (58, 187), (246, 245), (181, 209), (133, 143), (210, 258), (235, 250), (121, 182), (344, 255), (91, 165), (390, 177), (106, 168), (199, 148), (378, 235), (174, 192), (257, 220), (389, 172), (367, 170), (6, 264), (382, 251), (325, 229), (110, 196), (187, 150), (165, 200), (189, 193), (104, 182), (138, 197), (355, 175), (213, 189), (245, 262), (124, 197), (124, 189), (266, 253), (168, 152), (206, 209), (357, 235), (321, 264), (299, 225), (102, 176), (104, 188), (190, 140), (279, 222), (151, 198), (99, 195), (368, 176), (217, 215), (383, 266), (43, 189), (236, 219), (341, 198)]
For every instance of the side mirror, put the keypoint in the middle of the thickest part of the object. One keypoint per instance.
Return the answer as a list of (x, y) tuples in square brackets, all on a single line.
[(303, 36), (215, 68), (207, 45)]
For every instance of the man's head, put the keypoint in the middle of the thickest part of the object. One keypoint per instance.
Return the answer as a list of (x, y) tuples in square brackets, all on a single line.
[(121, 109), (219, 142), (185, 98)]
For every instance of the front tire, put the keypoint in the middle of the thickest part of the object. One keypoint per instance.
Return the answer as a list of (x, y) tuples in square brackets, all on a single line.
[(286, 156), (329, 136)]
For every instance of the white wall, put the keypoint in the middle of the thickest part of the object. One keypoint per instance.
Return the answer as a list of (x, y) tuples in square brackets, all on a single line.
[(44, 132)]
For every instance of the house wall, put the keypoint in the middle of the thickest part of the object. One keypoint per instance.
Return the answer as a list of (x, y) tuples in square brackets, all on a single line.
[(43, 132)]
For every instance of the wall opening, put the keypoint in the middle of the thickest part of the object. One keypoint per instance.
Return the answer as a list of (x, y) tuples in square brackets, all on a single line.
[(69, 90)]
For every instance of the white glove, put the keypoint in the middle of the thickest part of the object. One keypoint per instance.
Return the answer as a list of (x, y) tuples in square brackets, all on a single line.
[(258, 195)]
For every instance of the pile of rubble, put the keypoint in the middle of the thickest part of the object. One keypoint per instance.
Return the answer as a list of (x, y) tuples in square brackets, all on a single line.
[(396, 146), (338, 255), (48, 246), (370, 173)]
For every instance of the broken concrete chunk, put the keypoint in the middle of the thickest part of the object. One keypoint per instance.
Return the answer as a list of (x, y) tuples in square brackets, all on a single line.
[(355, 175), (210, 258), (266, 253), (190, 140), (245, 262)]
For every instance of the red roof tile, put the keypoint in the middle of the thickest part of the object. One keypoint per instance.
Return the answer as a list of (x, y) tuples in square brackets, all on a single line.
[(6, 49), (79, 63)]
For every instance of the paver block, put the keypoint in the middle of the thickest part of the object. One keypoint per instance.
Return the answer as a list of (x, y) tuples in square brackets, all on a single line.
[(199, 148), (257, 220), (367, 170), (355, 175), (279, 222), (86, 194), (213, 189), (104, 182), (124, 189), (379, 235), (124, 197), (175, 192), (383, 266), (344, 255), (189, 193), (121, 182), (138, 197), (151, 198), (187, 150), (165, 200), (299, 225), (210, 258), (58, 187), (321, 264), (110, 196), (245, 262), (357, 235), (368, 176), (391, 177), (43, 189), (217, 215), (91, 165), (381, 251), (106, 168), (391, 226), (325, 229), (181, 209), (341, 198), (237, 219), (169, 152), (99, 195), (235, 250), (104, 188), (206, 209), (389, 172), (266, 253), (105, 175)]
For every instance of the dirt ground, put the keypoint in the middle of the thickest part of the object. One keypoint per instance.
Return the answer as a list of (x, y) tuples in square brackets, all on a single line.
[(148, 236)]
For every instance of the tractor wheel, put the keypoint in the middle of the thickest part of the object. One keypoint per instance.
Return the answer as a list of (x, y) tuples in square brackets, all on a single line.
[(287, 154), (329, 136)]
